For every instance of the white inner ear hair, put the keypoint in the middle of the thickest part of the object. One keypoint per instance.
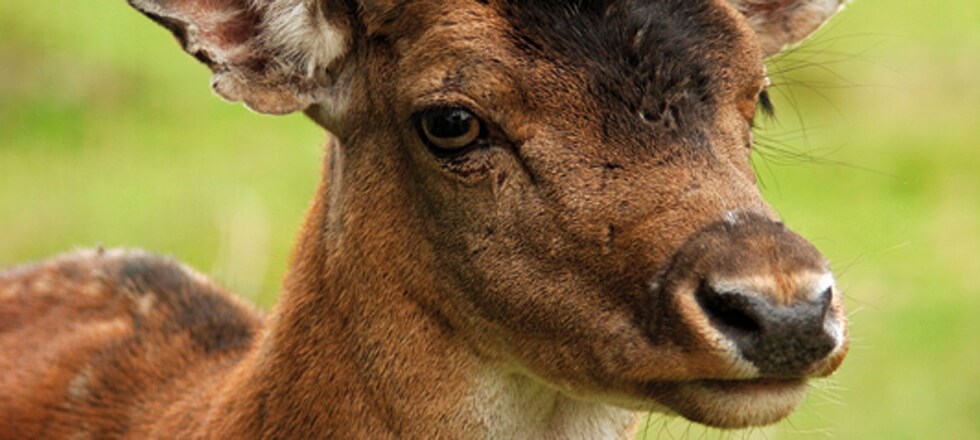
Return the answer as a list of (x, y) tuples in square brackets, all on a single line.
[(301, 35)]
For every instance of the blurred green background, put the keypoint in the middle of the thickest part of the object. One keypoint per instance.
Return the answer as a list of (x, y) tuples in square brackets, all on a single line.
[(109, 135)]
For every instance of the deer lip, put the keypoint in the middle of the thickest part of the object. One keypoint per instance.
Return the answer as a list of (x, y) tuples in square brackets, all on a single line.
[(764, 385), (735, 403)]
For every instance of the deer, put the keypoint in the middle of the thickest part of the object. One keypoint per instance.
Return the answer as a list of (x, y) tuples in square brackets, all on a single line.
[(536, 220)]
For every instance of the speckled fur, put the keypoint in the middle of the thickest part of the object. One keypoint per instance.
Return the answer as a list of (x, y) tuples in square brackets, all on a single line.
[(102, 342)]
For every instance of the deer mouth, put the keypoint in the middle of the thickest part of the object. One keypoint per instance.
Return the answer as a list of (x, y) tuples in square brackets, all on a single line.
[(734, 404), (748, 386)]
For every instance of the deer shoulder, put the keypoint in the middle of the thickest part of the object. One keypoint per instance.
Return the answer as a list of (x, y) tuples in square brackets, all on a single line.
[(102, 342)]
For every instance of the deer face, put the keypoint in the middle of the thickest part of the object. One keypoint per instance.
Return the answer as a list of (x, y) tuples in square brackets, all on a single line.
[(572, 181)]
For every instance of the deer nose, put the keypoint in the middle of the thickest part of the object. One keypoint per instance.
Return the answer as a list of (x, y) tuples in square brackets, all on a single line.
[(760, 294), (779, 339)]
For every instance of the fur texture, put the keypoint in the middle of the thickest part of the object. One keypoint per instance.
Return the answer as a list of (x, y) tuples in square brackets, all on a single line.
[(601, 248)]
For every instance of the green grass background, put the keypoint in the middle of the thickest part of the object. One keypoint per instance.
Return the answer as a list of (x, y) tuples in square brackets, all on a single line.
[(108, 134)]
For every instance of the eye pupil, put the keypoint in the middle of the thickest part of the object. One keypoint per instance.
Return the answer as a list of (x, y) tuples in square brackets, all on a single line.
[(449, 130), (452, 123)]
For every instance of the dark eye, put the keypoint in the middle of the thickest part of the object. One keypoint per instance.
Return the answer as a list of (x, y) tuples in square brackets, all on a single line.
[(765, 101), (449, 131), (765, 104)]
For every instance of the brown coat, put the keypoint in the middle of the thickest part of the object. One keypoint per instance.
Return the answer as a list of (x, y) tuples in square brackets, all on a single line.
[(536, 218)]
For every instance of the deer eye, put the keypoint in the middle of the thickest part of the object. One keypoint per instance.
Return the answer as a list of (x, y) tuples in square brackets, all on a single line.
[(765, 101), (765, 104), (449, 131)]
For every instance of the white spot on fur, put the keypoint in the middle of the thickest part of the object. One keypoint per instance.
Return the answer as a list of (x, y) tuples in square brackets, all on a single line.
[(730, 217), (42, 284), (145, 303), (78, 386), (113, 326)]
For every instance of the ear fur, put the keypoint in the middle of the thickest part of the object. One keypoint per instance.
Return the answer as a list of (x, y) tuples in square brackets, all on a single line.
[(273, 55), (782, 23)]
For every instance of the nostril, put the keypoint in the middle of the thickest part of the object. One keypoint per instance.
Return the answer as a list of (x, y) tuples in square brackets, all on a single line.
[(780, 339), (730, 312), (824, 300)]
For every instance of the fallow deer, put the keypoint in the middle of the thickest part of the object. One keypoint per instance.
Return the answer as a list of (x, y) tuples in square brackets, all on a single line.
[(536, 220)]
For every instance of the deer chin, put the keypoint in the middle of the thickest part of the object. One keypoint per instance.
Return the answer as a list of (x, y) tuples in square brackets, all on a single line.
[(733, 404)]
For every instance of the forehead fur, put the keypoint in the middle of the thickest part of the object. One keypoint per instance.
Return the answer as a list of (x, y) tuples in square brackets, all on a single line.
[(666, 61), (642, 66)]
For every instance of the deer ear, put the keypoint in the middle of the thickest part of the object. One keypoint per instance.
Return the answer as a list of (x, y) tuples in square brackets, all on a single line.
[(781, 23), (273, 55)]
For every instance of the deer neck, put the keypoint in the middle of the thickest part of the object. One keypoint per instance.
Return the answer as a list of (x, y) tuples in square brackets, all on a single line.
[(354, 350)]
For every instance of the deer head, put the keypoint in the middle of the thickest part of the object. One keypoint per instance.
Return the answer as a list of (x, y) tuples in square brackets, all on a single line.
[(565, 186)]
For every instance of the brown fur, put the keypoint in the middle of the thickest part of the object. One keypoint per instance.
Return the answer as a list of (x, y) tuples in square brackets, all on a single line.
[(539, 286)]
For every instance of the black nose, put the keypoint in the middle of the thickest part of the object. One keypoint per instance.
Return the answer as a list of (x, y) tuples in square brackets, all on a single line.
[(781, 340)]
